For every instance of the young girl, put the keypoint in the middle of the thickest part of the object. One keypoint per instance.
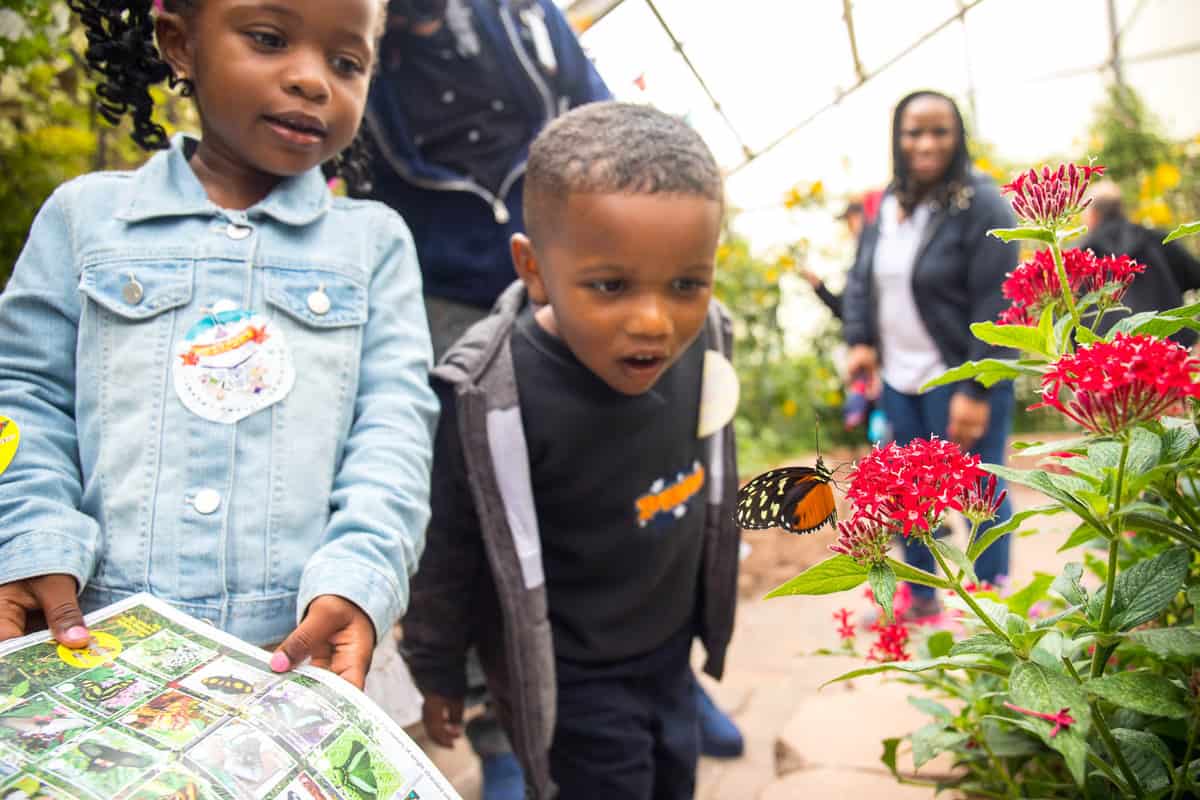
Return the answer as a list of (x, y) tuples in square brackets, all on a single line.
[(218, 370)]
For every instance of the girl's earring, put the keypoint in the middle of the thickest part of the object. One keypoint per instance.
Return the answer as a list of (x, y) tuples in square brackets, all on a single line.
[(184, 84)]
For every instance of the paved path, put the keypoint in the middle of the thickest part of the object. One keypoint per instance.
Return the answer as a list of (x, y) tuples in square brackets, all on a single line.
[(801, 741)]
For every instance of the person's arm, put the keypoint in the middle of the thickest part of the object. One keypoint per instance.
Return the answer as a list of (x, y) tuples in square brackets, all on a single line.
[(380, 497), (578, 79), (832, 301), (989, 261), (439, 626), (45, 540)]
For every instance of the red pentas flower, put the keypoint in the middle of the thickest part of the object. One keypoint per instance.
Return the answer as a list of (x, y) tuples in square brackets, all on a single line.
[(981, 501), (890, 642), (1048, 199), (912, 486), (845, 626), (1034, 286), (1109, 386), (864, 540)]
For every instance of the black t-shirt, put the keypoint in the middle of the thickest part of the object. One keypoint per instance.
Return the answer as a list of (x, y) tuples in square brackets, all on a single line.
[(460, 110), (619, 487)]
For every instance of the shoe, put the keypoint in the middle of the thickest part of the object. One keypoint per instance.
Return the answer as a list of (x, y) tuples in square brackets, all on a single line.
[(503, 778), (922, 610), (719, 736)]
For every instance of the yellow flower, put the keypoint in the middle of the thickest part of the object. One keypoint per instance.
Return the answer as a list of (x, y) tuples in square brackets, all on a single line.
[(789, 408), (785, 263), (1156, 213), (816, 192), (1166, 176), (793, 198), (772, 276), (833, 398), (723, 252)]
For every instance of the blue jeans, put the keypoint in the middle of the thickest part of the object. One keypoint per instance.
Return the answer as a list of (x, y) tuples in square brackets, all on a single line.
[(917, 416)]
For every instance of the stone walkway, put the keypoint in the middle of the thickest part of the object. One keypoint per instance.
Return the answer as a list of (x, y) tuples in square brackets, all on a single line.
[(801, 740)]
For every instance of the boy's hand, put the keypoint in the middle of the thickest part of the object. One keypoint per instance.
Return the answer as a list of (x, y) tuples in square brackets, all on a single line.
[(336, 634), (443, 718), (51, 596)]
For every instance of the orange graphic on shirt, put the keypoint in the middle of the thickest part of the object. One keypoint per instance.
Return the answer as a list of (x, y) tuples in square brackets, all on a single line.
[(672, 499)]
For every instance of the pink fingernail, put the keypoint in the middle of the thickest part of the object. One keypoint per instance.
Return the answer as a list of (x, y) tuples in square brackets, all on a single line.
[(280, 662), (77, 632)]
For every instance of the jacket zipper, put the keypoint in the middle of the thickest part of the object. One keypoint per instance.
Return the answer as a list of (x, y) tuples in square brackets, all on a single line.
[(514, 39)]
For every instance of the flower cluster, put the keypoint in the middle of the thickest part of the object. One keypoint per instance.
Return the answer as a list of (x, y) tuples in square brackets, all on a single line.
[(1048, 199), (1034, 286), (1114, 385), (890, 642), (912, 486), (845, 626), (981, 501), (864, 540)]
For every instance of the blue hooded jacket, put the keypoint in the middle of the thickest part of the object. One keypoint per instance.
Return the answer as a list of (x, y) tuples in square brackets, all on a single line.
[(462, 229)]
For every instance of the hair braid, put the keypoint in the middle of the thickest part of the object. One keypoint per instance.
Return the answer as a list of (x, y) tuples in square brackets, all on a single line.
[(121, 49)]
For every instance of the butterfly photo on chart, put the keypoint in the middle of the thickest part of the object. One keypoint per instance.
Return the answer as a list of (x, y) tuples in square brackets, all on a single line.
[(797, 499)]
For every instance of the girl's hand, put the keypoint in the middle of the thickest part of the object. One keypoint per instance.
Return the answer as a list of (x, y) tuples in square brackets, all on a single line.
[(968, 420), (53, 597), (863, 361), (442, 717), (336, 634)]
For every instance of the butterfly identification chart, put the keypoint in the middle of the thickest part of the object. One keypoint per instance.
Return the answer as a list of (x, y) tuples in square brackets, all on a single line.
[(161, 706)]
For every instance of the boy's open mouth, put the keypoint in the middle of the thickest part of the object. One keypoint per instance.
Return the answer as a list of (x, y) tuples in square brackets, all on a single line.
[(644, 362)]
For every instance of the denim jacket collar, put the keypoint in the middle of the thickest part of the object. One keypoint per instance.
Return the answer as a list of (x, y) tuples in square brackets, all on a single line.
[(167, 187)]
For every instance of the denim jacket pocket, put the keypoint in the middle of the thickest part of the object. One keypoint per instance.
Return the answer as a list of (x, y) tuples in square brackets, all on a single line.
[(138, 291), (317, 298)]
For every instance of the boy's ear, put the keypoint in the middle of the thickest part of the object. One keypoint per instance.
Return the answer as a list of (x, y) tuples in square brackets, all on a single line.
[(526, 265), (174, 44)]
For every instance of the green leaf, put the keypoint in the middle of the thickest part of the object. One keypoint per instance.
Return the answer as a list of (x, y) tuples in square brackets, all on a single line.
[(883, 586), (1141, 691), (1021, 601), (890, 747), (932, 708), (939, 644), (1162, 327), (1186, 229), (1182, 643), (987, 371), (913, 575), (1022, 234), (1045, 690), (1069, 584), (1158, 524), (1147, 756), (1179, 441), (956, 557), (1062, 445), (1106, 454), (1071, 233), (1144, 590), (923, 665), (835, 574), (1040, 480), (996, 612), (931, 739), (1082, 534), (1020, 337), (20, 690), (984, 540), (1193, 596), (1145, 450), (981, 644), (1190, 310), (1004, 743), (1129, 324)]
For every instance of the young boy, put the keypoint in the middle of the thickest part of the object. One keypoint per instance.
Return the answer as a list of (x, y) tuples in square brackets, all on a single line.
[(582, 531)]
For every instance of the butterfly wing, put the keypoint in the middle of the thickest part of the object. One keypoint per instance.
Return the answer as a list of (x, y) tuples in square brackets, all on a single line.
[(797, 499)]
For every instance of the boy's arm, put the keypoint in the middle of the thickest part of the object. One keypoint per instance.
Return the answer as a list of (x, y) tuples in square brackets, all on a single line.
[(439, 626), (380, 493), (42, 530)]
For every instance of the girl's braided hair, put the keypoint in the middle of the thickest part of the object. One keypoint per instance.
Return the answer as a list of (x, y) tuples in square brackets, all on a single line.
[(122, 53)]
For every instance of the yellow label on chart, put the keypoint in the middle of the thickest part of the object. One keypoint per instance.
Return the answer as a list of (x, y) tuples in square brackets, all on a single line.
[(10, 437), (103, 647)]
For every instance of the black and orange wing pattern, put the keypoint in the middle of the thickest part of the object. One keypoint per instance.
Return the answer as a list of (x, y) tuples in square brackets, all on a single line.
[(797, 499)]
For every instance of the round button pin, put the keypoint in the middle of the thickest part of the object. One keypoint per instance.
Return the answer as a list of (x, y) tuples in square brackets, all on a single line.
[(132, 292), (319, 303), (236, 232), (206, 501)]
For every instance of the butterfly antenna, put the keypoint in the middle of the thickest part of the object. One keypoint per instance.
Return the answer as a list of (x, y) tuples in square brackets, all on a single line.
[(817, 425)]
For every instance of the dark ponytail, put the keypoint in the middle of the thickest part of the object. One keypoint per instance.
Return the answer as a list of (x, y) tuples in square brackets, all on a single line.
[(121, 50)]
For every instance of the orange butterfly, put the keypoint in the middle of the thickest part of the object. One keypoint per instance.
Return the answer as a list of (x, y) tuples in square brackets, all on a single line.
[(797, 499)]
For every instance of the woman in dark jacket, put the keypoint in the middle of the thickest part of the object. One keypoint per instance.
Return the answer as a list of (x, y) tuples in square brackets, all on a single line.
[(925, 270)]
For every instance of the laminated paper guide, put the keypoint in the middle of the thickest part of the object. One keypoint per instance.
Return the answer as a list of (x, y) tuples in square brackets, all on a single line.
[(161, 705)]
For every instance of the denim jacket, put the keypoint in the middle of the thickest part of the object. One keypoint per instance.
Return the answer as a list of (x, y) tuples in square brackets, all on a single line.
[(117, 483)]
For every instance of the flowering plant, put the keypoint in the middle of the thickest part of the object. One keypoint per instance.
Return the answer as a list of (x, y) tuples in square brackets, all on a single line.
[(1083, 684)]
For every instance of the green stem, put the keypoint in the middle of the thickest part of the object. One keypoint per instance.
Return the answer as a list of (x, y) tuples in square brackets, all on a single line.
[(1114, 750), (970, 601), (1013, 791), (1061, 267), (1100, 658), (1102, 765), (1181, 778), (971, 536)]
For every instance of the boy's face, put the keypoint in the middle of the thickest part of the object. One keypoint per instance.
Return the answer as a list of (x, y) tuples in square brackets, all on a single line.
[(626, 279)]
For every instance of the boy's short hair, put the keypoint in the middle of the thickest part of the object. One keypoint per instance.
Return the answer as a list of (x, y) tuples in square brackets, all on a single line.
[(612, 147)]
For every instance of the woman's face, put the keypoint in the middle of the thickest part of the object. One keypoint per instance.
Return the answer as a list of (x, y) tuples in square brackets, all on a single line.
[(928, 138)]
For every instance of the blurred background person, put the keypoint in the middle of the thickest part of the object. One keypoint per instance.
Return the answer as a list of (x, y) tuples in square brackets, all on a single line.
[(1170, 269), (925, 270)]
